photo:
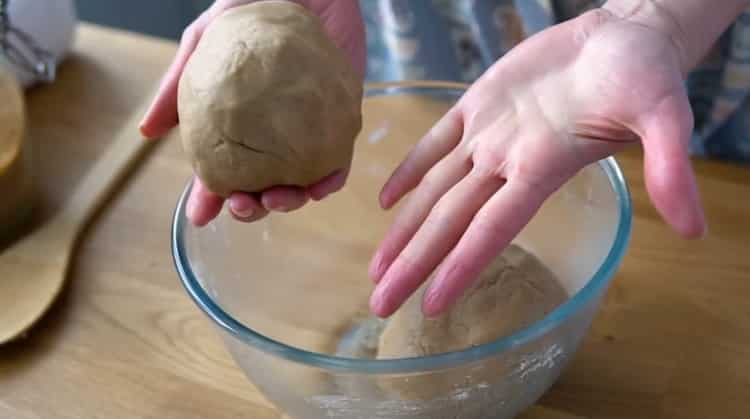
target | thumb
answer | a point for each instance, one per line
(670, 180)
(162, 116)
(344, 24)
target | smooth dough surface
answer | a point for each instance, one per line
(513, 292)
(268, 99)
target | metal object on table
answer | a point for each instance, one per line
(22, 51)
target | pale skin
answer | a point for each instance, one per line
(566, 97)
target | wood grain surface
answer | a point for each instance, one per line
(671, 341)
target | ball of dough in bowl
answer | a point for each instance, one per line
(268, 99)
(514, 291)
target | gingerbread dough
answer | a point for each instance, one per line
(513, 292)
(268, 99)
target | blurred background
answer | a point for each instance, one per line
(168, 19)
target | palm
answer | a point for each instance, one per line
(563, 99)
(605, 94)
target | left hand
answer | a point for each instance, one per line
(565, 98)
(342, 21)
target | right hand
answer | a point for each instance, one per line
(561, 100)
(343, 23)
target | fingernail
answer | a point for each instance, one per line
(144, 119)
(431, 304)
(190, 209)
(320, 197)
(144, 132)
(242, 212)
(434, 298)
(384, 200)
(147, 113)
(141, 125)
(378, 303)
(316, 195)
(376, 267)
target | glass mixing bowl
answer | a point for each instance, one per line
(290, 293)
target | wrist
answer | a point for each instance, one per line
(693, 26)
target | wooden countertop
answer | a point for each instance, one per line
(671, 341)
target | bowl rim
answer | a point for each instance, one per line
(596, 284)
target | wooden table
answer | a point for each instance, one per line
(671, 341)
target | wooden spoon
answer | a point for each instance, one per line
(33, 270)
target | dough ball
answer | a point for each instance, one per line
(268, 99)
(513, 292)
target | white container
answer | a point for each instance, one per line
(50, 23)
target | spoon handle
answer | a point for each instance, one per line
(106, 174)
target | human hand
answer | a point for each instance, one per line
(565, 98)
(343, 23)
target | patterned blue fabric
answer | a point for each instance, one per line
(459, 39)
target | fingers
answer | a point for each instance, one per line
(441, 139)
(203, 205)
(434, 185)
(245, 207)
(493, 228)
(284, 198)
(328, 185)
(669, 175)
(290, 198)
(435, 238)
(162, 114)
(344, 24)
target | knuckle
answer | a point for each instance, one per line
(456, 271)
(449, 125)
(529, 172)
(429, 181)
(534, 185)
(486, 172)
(439, 215)
(489, 158)
(195, 29)
(474, 118)
(409, 266)
(523, 169)
(463, 155)
(407, 168)
(489, 173)
(488, 224)
(189, 33)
